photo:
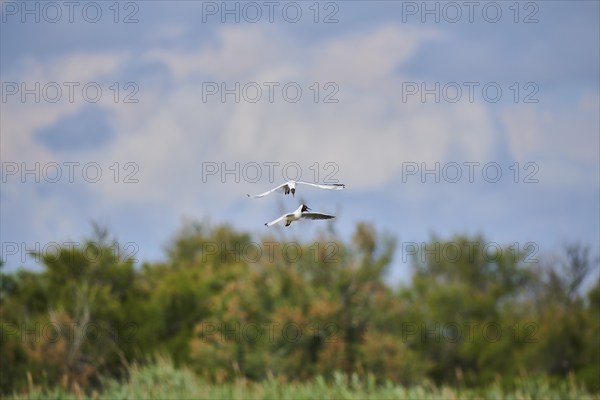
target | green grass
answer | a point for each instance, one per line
(163, 381)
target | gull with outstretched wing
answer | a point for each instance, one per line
(302, 212)
(290, 187)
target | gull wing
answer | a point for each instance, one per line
(281, 188)
(333, 186)
(275, 221)
(315, 215)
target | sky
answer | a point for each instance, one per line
(441, 118)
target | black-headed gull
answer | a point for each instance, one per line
(301, 212)
(290, 186)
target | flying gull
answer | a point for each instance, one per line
(290, 186)
(301, 212)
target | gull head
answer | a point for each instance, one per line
(305, 208)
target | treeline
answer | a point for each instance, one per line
(227, 305)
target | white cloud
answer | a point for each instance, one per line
(564, 143)
(238, 53)
(368, 58)
(22, 118)
(368, 134)
(171, 132)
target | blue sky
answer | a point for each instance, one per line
(132, 101)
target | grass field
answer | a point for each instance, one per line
(162, 380)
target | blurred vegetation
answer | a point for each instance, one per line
(162, 380)
(228, 308)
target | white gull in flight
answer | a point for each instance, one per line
(290, 186)
(301, 212)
